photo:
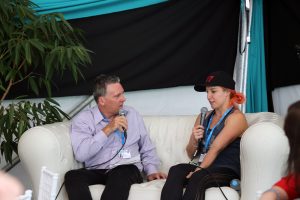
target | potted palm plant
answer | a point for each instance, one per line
(33, 48)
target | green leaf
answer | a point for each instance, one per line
(52, 101)
(54, 27)
(37, 44)
(56, 114)
(21, 128)
(65, 23)
(40, 109)
(10, 75)
(7, 151)
(36, 115)
(22, 97)
(17, 54)
(33, 85)
(49, 64)
(11, 113)
(48, 87)
(74, 71)
(69, 53)
(63, 113)
(80, 73)
(62, 59)
(27, 52)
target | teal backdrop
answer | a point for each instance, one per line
(87, 8)
(256, 91)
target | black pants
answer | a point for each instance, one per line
(197, 184)
(117, 182)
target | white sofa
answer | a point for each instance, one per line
(264, 151)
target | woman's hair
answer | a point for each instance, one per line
(101, 83)
(236, 97)
(292, 131)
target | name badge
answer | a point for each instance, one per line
(124, 153)
(202, 156)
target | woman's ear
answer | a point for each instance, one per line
(227, 91)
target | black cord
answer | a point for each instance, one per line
(59, 190)
(107, 160)
(215, 182)
(242, 11)
(125, 136)
(197, 165)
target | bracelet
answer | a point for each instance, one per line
(274, 191)
(194, 163)
(199, 167)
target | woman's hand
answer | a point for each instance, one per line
(198, 132)
(196, 136)
(191, 173)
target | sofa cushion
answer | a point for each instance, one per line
(170, 135)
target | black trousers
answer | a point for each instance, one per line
(197, 184)
(117, 182)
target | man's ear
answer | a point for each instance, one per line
(101, 100)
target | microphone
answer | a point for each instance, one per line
(123, 113)
(203, 112)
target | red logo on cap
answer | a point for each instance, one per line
(209, 78)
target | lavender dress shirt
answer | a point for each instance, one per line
(92, 146)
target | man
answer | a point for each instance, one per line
(114, 148)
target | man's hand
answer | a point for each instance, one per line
(118, 122)
(158, 175)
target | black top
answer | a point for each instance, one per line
(230, 156)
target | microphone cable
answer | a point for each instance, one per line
(125, 136)
(211, 175)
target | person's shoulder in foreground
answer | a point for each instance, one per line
(289, 186)
(10, 187)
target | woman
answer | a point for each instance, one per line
(218, 158)
(289, 187)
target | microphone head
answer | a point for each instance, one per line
(123, 112)
(204, 110)
(203, 113)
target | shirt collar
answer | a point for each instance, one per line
(98, 116)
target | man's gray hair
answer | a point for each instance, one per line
(101, 83)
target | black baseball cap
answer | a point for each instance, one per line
(218, 78)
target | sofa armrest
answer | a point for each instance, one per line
(264, 152)
(49, 146)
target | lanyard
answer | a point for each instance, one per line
(121, 135)
(210, 133)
